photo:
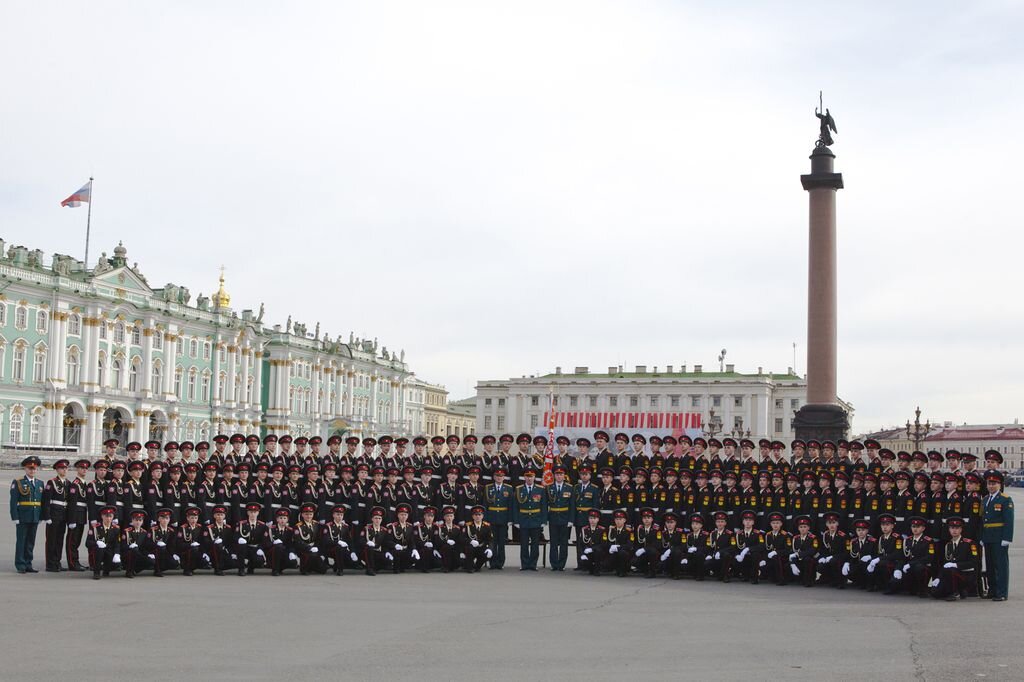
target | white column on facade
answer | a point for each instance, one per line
(243, 399)
(350, 377)
(218, 342)
(170, 363)
(315, 388)
(373, 398)
(90, 352)
(257, 384)
(146, 377)
(229, 390)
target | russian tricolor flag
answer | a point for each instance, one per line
(82, 195)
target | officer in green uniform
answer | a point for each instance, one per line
(498, 498)
(26, 511)
(561, 513)
(530, 511)
(997, 534)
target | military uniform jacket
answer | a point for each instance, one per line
(423, 533)
(648, 537)
(623, 537)
(919, 551)
(609, 499)
(274, 532)
(806, 546)
(964, 553)
(723, 541)
(469, 496)
(187, 534)
(164, 535)
(140, 538)
(225, 534)
(78, 501)
(109, 535)
(671, 539)
(55, 500)
(443, 533)
(331, 534)
(752, 541)
(254, 534)
(997, 523)
(561, 504)
(780, 542)
(399, 535)
(585, 498)
(134, 496)
(834, 545)
(530, 506)
(857, 548)
(595, 537)
(305, 536)
(482, 534)
(498, 503)
(889, 547)
(698, 542)
(26, 500)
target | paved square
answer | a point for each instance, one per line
(490, 625)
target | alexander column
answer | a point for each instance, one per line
(822, 418)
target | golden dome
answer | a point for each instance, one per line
(222, 298)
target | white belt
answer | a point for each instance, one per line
(59, 503)
(900, 518)
(82, 504)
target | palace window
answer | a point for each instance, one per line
(574, 401)
(73, 366)
(158, 340)
(613, 401)
(534, 400)
(193, 348)
(101, 370)
(18, 368)
(118, 333)
(716, 401)
(133, 376)
(487, 402)
(74, 325)
(34, 428)
(778, 425)
(16, 424)
(737, 401)
(206, 350)
(137, 336)
(21, 317)
(205, 388)
(39, 365)
(674, 401)
(778, 403)
(634, 401)
(42, 319)
(103, 330)
(695, 401)
(116, 371)
(501, 402)
(192, 385)
(654, 401)
(156, 383)
(177, 382)
(487, 423)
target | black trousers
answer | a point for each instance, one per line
(55, 531)
(73, 540)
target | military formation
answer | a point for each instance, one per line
(843, 514)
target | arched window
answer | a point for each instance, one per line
(35, 427)
(101, 369)
(75, 325)
(158, 344)
(133, 376)
(193, 348)
(21, 317)
(3, 313)
(18, 368)
(305, 401)
(177, 382)
(119, 333)
(206, 350)
(39, 365)
(116, 373)
(222, 379)
(103, 330)
(137, 335)
(192, 385)
(205, 392)
(16, 426)
(157, 380)
(42, 320)
(73, 366)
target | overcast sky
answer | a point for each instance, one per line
(501, 188)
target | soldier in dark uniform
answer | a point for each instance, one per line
(448, 492)
(620, 545)
(591, 540)
(997, 534)
(424, 537)
(671, 546)
(399, 541)
(26, 512)
(647, 540)
(77, 513)
(219, 541)
(833, 552)
(696, 548)
(135, 489)
(447, 539)
(470, 493)
(136, 546)
(804, 552)
(164, 543)
(251, 536)
(529, 512)
(777, 546)
(305, 541)
(116, 493)
(888, 554)
(859, 548)
(958, 564)
(498, 498)
(55, 515)
(586, 498)
(608, 497)
(103, 543)
(919, 557)
(174, 494)
(334, 541)
(721, 548)
(477, 540)
(750, 550)
(190, 538)
(561, 513)
(155, 495)
(278, 543)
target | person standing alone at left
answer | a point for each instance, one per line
(26, 511)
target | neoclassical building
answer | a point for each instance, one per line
(90, 353)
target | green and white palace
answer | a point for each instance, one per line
(92, 353)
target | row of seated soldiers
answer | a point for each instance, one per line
(912, 563)
(308, 546)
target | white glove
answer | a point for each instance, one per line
(792, 555)
(871, 566)
(898, 574)
(823, 560)
(488, 553)
(389, 556)
(718, 555)
(588, 550)
(206, 556)
(639, 552)
(761, 564)
(117, 558)
(371, 543)
(451, 543)
(461, 555)
(176, 557)
(828, 558)
(1005, 543)
(664, 555)
(161, 544)
(772, 554)
(474, 543)
(906, 568)
(428, 545)
(684, 562)
(569, 525)
(49, 521)
(134, 545)
(152, 557)
(353, 556)
(99, 543)
(709, 557)
(949, 564)
(613, 549)
(691, 549)
(234, 557)
(415, 554)
(314, 550)
(16, 522)
(399, 547)
(342, 543)
(934, 582)
(515, 525)
(219, 541)
(292, 557)
(243, 541)
(278, 542)
(72, 526)
(437, 554)
(195, 544)
(846, 568)
(795, 569)
(866, 559)
(259, 552)
(582, 558)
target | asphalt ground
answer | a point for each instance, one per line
(490, 625)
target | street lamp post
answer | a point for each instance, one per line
(713, 426)
(917, 431)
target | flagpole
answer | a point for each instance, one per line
(88, 224)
